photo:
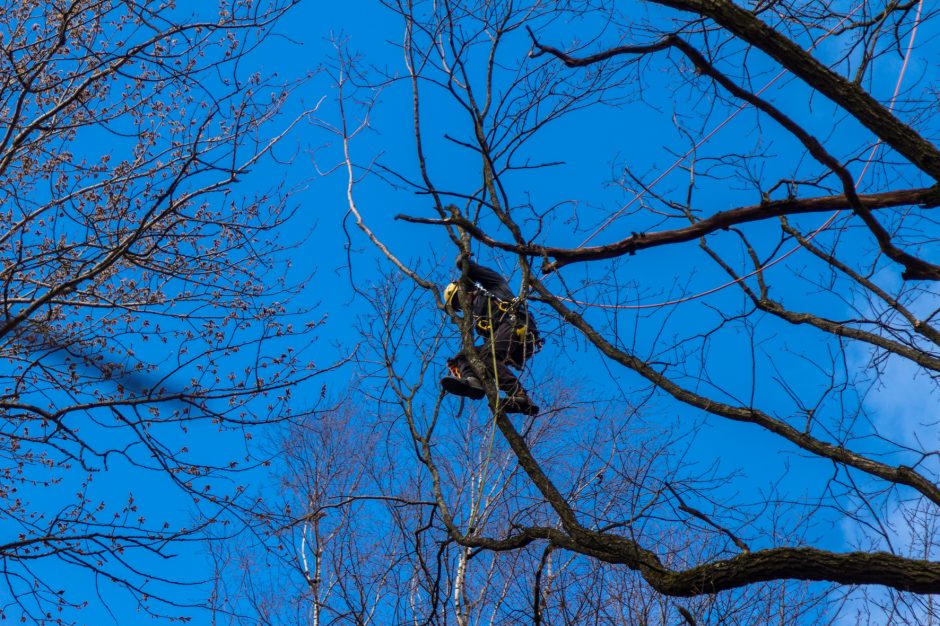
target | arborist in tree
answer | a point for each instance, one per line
(509, 334)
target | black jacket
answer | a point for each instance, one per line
(491, 281)
(493, 300)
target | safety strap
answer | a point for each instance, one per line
(506, 308)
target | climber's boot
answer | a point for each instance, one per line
(469, 387)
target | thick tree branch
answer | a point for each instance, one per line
(927, 197)
(901, 474)
(915, 268)
(793, 563)
(852, 568)
(850, 96)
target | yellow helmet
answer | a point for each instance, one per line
(449, 292)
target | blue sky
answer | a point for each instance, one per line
(593, 146)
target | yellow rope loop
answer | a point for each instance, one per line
(489, 309)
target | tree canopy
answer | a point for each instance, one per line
(720, 215)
